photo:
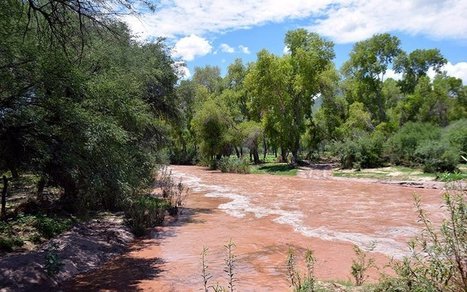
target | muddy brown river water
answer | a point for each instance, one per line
(264, 215)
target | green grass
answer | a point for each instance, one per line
(274, 168)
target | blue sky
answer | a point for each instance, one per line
(216, 32)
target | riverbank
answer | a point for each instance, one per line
(84, 248)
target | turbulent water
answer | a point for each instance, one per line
(295, 208)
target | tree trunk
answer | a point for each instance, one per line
(294, 157)
(14, 172)
(237, 152)
(255, 155)
(265, 150)
(40, 189)
(4, 194)
(283, 155)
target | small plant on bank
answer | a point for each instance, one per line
(299, 282)
(229, 269)
(174, 193)
(53, 262)
(144, 212)
(439, 257)
(361, 264)
(50, 227)
(230, 265)
(451, 176)
(234, 165)
(204, 270)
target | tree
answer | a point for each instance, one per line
(209, 77)
(94, 128)
(365, 70)
(284, 87)
(210, 124)
(416, 65)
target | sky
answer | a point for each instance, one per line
(216, 32)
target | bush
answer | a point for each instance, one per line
(233, 164)
(144, 212)
(437, 156)
(49, 227)
(366, 152)
(9, 243)
(438, 260)
(456, 135)
(402, 146)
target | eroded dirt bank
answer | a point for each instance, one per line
(83, 248)
(264, 215)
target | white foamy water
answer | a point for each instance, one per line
(240, 205)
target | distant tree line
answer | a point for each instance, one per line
(299, 106)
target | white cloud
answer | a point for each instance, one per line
(342, 20)
(244, 49)
(392, 74)
(286, 50)
(227, 49)
(180, 17)
(191, 46)
(458, 70)
(355, 20)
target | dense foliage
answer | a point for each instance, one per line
(82, 105)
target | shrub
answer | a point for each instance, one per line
(365, 151)
(402, 145)
(49, 226)
(234, 164)
(173, 193)
(456, 134)
(438, 259)
(437, 156)
(361, 265)
(144, 212)
(9, 243)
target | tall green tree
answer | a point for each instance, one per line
(415, 65)
(365, 70)
(284, 87)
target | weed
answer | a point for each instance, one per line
(204, 271)
(144, 212)
(53, 262)
(451, 176)
(230, 265)
(50, 227)
(301, 282)
(9, 243)
(174, 193)
(229, 269)
(361, 265)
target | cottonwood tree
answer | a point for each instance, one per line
(415, 65)
(365, 70)
(284, 87)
